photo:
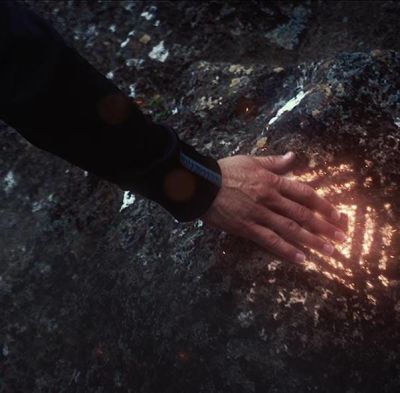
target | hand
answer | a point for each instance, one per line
(258, 203)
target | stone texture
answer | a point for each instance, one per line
(95, 299)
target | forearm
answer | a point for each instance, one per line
(60, 103)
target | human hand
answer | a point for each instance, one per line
(279, 214)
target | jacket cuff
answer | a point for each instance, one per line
(205, 175)
(183, 181)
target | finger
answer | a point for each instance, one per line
(272, 242)
(306, 195)
(278, 164)
(292, 232)
(307, 219)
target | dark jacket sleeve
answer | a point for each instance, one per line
(61, 104)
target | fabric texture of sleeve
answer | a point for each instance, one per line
(60, 103)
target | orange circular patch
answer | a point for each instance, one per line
(179, 185)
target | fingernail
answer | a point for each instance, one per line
(340, 236)
(328, 249)
(335, 216)
(289, 154)
(300, 257)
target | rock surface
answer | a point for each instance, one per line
(102, 292)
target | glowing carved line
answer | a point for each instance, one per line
(370, 230)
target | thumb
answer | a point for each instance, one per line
(277, 164)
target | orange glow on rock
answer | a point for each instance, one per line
(367, 227)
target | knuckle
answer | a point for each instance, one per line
(261, 193)
(246, 229)
(292, 226)
(259, 172)
(274, 180)
(268, 160)
(303, 215)
(273, 240)
(307, 191)
(242, 227)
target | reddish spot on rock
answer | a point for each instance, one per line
(183, 356)
(246, 107)
(139, 101)
(99, 353)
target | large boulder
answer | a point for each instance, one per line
(102, 291)
(97, 295)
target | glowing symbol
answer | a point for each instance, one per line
(362, 260)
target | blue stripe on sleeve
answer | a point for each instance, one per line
(200, 170)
